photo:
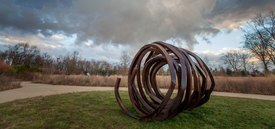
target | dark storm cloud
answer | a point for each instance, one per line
(239, 7)
(127, 22)
(29, 17)
(232, 13)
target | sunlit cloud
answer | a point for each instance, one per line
(90, 25)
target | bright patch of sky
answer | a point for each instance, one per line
(60, 44)
(220, 43)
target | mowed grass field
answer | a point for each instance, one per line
(100, 110)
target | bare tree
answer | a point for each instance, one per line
(244, 61)
(253, 66)
(70, 63)
(47, 63)
(260, 38)
(23, 54)
(105, 68)
(85, 66)
(17, 53)
(125, 60)
(95, 66)
(266, 22)
(232, 59)
(257, 42)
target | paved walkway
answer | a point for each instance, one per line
(30, 90)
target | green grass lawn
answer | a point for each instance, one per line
(100, 110)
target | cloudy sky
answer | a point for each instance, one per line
(102, 29)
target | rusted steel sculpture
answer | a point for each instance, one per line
(191, 80)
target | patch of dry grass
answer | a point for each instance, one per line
(252, 85)
(80, 80)
(7, 83)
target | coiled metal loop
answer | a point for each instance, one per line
(191, 82)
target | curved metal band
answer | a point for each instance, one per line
(189, 74)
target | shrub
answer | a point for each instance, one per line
(25, 69)
(4, 68)
(8, 83)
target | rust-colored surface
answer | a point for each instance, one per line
(191, 81)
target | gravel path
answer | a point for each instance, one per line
(30, 90)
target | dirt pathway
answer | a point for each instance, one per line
(30, 90)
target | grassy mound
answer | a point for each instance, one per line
(100, 110)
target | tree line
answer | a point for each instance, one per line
(24, 58)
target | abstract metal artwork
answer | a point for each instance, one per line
(191, 82)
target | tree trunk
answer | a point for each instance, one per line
(265, 67)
